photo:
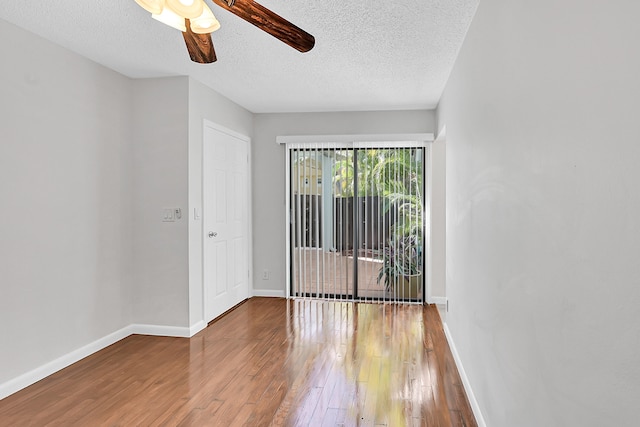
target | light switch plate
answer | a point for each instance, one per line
(168, 215)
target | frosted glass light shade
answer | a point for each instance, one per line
(152, 6)
(205, 23)
(171, 19)
(189, 9)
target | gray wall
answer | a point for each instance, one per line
(541, 115)
(88, 161)
(269, 244)
(160, 180)
(65, 175)
(438, 219)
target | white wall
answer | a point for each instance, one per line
(205, 103)
(541, 113)
(160, 180)
(269, 174)
(65, 228)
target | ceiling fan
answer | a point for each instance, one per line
(196, 21)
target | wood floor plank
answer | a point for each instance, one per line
(267, 362)
(330, 417)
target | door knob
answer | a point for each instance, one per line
(213, 234)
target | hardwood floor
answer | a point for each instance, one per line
(268, 362)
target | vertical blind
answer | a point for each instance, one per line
(357, 221)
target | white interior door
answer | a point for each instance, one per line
(225, 220)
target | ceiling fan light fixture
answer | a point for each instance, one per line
(151, 6)
(171, 19)
(196, 22)
(205, 23)
(190, 9)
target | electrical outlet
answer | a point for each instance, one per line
(265, 274)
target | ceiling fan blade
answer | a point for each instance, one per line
(200, 46)
(270, 22)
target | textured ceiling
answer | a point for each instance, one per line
(369, 54)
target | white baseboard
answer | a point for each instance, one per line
(61, 362)
(438, 300)
(194, 329)
(269, 293)
(164, 331)
(465, 380)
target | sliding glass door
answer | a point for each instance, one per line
(357, 223)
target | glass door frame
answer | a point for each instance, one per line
(358, 142)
